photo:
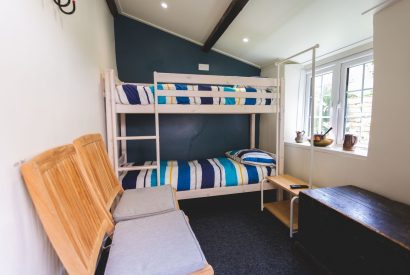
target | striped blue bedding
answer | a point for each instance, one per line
(197, 174)
(252, 157)
(132, 94)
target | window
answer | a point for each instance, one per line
(358, 101)
(343, 98)
(324, 100)
(323, 88)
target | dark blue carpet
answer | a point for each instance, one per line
(237, 238)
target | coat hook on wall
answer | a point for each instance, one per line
(63, 6)
(19, 163)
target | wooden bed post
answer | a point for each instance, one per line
(279, 114)
(278, 117)
(157, 129)
(108, 114)
(281, 137)
(114, 121)
(252, 131)
(123, 130)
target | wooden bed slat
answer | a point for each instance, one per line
(72, 216)
(220, 191)
(195, 109)
(214, 79)
(213, 94)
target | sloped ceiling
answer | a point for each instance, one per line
(275, 28)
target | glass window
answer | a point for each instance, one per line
(323, 101)
(343, 98)
(358, 102)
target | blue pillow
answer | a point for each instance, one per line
(253, 157)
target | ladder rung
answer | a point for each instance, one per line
(136, 138)
(135, 168)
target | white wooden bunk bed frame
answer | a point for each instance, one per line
(117, 134)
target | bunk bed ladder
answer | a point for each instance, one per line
(116, 136)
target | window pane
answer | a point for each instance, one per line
(325, 125)
(355, 78)
(318, 84)
(318, 103)
(326, 104)
(359, 98)
(318, 125)
(327, 84)
(367, 102)
(322, 124)
(365, 131)
(368, 75)
(323, 101)
(353, 103)
(353, 125)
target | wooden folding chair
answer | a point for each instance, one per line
(76, 223)
(133, 203)
(72, 216)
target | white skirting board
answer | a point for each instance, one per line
(219, 191)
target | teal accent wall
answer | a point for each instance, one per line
(185, 137)
(141, 50)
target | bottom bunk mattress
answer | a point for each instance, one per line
(197, 174)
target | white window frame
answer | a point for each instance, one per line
(328, 68)
(339, 85)
(343, 88)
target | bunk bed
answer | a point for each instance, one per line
(188, 94)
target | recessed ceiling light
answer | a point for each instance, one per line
(245, 40)
(164, 5)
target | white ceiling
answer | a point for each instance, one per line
(192, 19)
(275, 28)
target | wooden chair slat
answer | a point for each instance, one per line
(91, 149)
(72, 215)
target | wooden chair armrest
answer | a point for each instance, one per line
(207, 270)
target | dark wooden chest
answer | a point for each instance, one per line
(353, 231)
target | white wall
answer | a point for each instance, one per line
(50, 93)
(295, 82)
(386, 169)
(267, 123)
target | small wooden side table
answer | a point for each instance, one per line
(284, 210)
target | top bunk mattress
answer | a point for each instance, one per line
(131, 94)
(197, 174)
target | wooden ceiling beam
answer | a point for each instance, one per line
(113, 7)
(230, 14)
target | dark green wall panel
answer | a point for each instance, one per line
(140, 50)
(186, 137)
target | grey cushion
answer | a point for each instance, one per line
(142, 202)
(159, 244)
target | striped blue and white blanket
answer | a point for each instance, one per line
(197, 174)
(131, 94)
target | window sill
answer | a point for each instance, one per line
(360, 153)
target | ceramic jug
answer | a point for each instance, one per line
(299, 136)
(349, 142)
